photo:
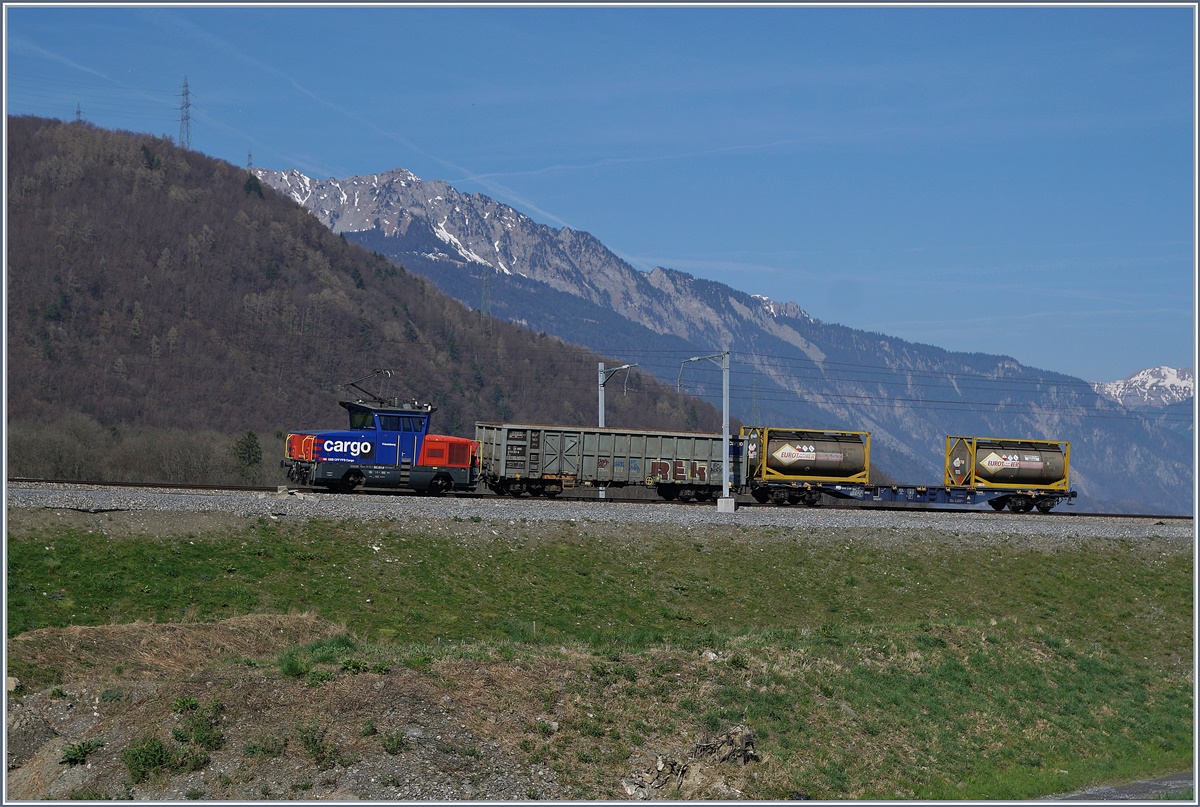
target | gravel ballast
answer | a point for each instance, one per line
(298, 505)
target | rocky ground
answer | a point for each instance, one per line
(440, 756)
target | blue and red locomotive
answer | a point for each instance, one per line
(387, 446)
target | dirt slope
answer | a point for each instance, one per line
(443, 757)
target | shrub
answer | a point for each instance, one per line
(77, 753)
(312, 737)
(191, 759)
(181, 705)
(394, 742)
(147, 756)
(267, 747)
(200, 725)
(89, 794)
(327, 650)
(292, 664)
(317, 677)
(354, 666)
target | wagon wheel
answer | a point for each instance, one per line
(998, 504)
(1046, 505)
(1020, 504)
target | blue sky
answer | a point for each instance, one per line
(1018, 181)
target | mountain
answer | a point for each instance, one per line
(1154, 387)
(790, 369)
(151, 287)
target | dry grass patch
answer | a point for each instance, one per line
(89, 654)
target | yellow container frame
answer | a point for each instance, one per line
(973, 482)
(766, 474)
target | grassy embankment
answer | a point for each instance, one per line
(868, 666)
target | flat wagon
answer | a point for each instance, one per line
(803, 466)
(794, 466)
(1020, 474)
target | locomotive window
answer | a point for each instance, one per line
(362, 420)
(399, 423)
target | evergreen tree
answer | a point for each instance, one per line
(247, 453)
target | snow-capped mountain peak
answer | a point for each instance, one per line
(1156, 386)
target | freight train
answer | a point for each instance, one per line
(388, 447)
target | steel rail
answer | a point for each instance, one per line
(574, 499)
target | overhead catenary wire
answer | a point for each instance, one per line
(741, 393)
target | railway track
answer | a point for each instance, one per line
(591, 496)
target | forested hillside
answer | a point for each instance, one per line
(157, 292)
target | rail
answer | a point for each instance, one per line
(575, 496)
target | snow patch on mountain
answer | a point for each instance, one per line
(450, 238)
(1155, 386)
(778, 309)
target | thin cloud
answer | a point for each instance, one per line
(494, 188)
(18, 44)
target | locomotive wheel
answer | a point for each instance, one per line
(349, 482)
(438, 486)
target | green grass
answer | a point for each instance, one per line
(866, 670)
(571, 587)
(1182, 795)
